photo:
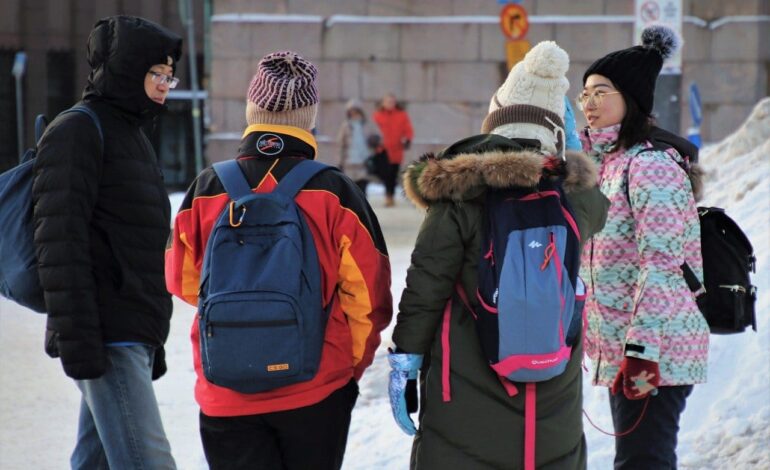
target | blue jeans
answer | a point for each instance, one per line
(120, 425)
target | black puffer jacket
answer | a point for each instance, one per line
(101, 211)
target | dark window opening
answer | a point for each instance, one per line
(61, 81)
(8, 150)
(171, 135)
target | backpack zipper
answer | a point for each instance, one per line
(245, 324)
(733, 288)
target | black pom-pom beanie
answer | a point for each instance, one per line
(635, 70)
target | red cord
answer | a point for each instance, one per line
(624, 433)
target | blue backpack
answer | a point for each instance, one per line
(262, 319)
(531, 298)
(530, 295)
(18, 262)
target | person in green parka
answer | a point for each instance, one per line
(480, 426)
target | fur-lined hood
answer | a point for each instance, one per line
(466, 175)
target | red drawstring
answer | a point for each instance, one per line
(549, 251)
(490, 254)
(624, 433)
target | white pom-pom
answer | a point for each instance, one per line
(662, 38)
(547, 60)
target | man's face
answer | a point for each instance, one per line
(158, 81)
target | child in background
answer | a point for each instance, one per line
(354, 150)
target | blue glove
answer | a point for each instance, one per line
(404, 368)
(573, 141)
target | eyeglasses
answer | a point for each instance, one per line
(594, 99)
(163, 79)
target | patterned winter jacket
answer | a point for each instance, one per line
(639, 304)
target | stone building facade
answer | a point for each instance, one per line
(445, 58)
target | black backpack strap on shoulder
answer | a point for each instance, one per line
(627, 174)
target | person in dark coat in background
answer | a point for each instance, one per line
(102, 217)
(479, 425)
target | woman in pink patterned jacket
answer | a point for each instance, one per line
(646, 338)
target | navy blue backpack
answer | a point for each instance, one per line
(18, 262)
(262, 319)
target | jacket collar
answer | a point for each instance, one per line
(466, 175)
(601, 141)
(275, 141)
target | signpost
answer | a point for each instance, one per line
(667, 90)
(19, 68)
(693, 133)
(514, 24)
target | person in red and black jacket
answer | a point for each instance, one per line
(304, 425)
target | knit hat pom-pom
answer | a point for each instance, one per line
(661, 38)
(547, 60)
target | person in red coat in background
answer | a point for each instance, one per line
(396, 129)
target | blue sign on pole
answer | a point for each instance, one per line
(696, 113)
(19, 64)
(504, 2)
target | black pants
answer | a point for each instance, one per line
(313, 437)
(652, 445)
(390, 179)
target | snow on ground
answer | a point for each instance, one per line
(726, 423)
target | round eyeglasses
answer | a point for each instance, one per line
(163, 79)
(594, 99)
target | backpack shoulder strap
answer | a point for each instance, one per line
(80, 108)
(232, 178)
(627, 170)
(298, 177)
(41, 122)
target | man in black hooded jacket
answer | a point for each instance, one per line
(101, 217)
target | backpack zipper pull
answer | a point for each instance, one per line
(209, 330)
(549, 251)
(734, 288)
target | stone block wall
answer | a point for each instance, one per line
(448, 57)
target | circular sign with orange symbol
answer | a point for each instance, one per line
(514, 21)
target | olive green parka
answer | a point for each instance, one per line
(481, 427)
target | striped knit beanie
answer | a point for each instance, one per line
(283, 91)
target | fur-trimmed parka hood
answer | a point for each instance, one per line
(464, 170)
